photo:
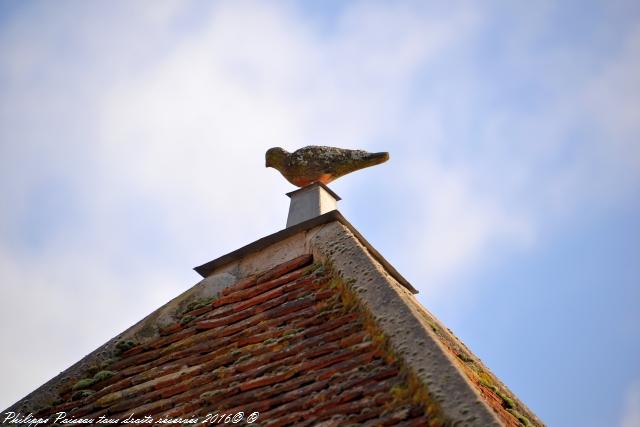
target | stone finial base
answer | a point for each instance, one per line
(309, 202)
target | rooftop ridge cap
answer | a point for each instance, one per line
(207, 268)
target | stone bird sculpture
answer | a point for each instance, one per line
(320, 164)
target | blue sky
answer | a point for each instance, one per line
(132, 140)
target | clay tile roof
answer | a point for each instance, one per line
(310, 329)
(286, 343)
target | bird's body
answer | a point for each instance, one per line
(320, 164)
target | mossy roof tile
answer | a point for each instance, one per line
(281, 342)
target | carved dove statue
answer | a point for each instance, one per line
(320, 164)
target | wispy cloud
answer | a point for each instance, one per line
(496, 165)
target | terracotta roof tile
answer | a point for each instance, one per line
(282, 343)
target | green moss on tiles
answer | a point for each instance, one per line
(433, 326)
(464, 357)
(91, 370)
(471, 364)
(103, 375)
(81, 394)
(83, 384)
(521, 418)
(185, 320)
(486, 381)
(104, 365)
(412, 389)
(348, 299)
(399, 392)
(507, 402)
(124, 345)
(198, 303)
(316, 268)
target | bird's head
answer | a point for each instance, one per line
(275, 157)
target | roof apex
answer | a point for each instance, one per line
(209, 267)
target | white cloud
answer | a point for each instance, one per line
(499, 175)
(459, 224)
